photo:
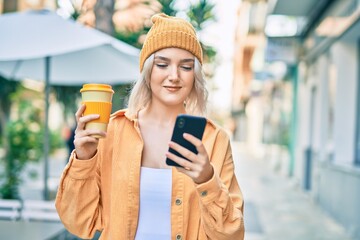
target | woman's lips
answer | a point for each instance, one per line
(172, 88)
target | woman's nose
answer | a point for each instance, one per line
(173, 74)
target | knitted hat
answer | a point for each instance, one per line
(167, 32)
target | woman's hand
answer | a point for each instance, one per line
(199, 169)
(85, 144)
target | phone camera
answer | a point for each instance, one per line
(181, 122)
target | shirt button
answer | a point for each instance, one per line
(178, 237)
(178, 201)
(203, 193)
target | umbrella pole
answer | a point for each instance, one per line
(46, 132)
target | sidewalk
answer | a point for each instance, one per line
(276, 208)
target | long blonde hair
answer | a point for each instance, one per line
(140, 95)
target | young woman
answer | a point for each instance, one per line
(120, 185)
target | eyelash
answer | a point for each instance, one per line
(187, 68)
(161, 65)
(165, 65)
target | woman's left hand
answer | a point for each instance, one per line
(199, 169)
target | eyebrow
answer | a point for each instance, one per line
(168, 59)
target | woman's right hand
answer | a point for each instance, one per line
(85, 144)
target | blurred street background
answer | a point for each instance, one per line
(283, 77)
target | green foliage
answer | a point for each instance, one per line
(56, 141)
(68, 96)
(7, 88)
(131, 38)
(25, 144)
(76, 14)
(201, 13)
(209, 53)
(168, 7)
(25, 139)
(120, 96)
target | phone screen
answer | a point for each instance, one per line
(193, 125)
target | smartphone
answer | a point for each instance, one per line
(193, 125)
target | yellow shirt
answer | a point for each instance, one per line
(102, 193)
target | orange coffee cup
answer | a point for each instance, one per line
(98, 100)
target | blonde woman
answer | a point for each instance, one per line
(121, 186)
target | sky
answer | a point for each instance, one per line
(221, 36)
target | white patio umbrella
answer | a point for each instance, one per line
(44, 46)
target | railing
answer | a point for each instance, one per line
(10, 209)
(28, 210)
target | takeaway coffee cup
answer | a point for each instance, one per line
(98, 100)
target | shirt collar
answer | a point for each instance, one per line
(133, 117)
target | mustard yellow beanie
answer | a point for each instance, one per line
(168, 31)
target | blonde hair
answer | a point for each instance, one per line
(140, 95)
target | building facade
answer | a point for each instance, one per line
(319, 43)
(327, 149)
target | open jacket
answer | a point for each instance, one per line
(102, 193)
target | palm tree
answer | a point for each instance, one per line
(168, 7)
(201, 13)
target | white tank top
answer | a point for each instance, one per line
(155, 204)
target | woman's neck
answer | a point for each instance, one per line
(161, 115)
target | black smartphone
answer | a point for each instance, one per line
(193, 125)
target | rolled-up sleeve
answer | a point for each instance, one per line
(78, 197)
(221, 200)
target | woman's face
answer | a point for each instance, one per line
(172, 76)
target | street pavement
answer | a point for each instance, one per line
(276, 208)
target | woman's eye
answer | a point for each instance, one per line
(187, 68)
(161, 65)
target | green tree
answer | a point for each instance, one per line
(7, 88)
(24, 134)
(120, 96)
(200, 14)
(168, 7)
(68, 97)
